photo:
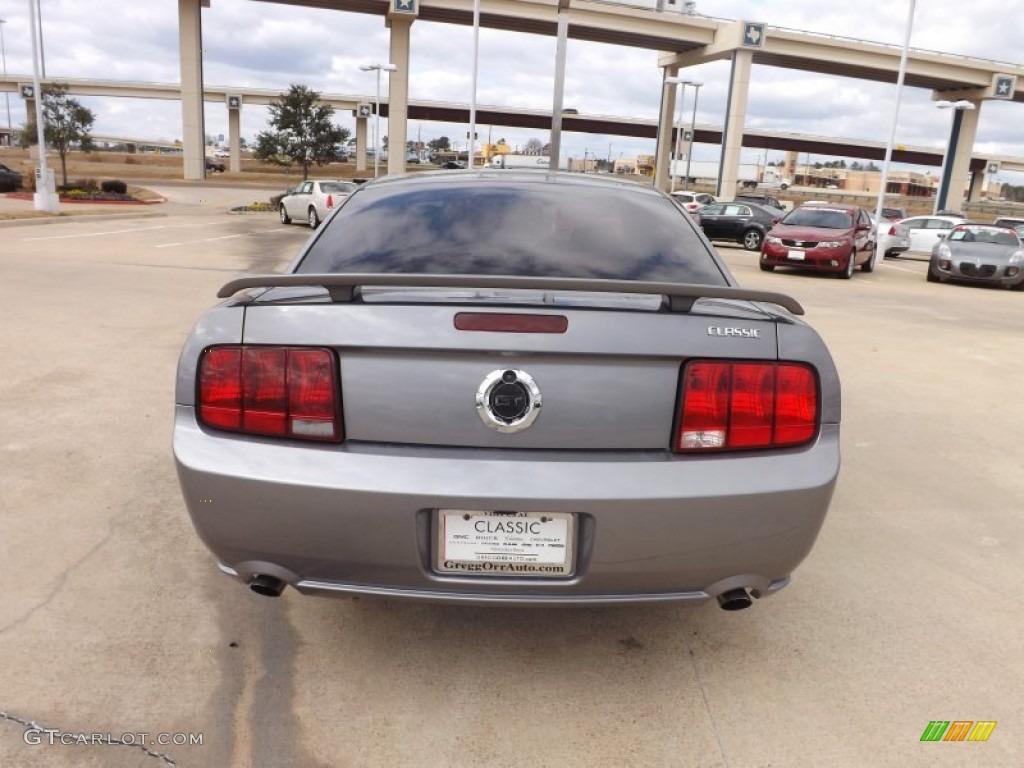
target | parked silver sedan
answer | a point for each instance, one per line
(507, 387)
(311, 201)
(979, 253)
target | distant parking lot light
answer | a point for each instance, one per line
(682, 82)
(376, 120)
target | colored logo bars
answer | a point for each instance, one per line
(958, 730)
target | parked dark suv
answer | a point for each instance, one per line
(10, 179)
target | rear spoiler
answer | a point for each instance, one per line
(343, 287)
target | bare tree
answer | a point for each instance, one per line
(65, 123)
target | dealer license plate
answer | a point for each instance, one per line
(796, 255)
(480, 543)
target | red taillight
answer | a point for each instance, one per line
(892, 230)
(278, 391)
(738, 406)
(330, 201)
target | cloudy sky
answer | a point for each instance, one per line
(262, 44)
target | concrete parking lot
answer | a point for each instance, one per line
(115, 622)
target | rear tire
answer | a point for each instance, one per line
(314, 220)
(285, 218)
(752, 239)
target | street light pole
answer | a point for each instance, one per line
(682, 82)
(883, 182)
(561, 43)
(945, 179)
(42, 51)
(7, 96)
(376, 111)
(45, 197)
(693, 134)
(471, 156)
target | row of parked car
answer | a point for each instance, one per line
(838, 238)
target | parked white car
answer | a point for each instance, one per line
(311, 201)
(692, 201)
(918, 234)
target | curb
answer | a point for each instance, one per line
(71, 201)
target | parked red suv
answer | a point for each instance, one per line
(822, 237)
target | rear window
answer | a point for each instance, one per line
(826, 218)
(338, 187)
(519, 228)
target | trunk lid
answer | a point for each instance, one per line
(608, 382)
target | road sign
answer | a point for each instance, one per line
(1003, 86)
(753, 35)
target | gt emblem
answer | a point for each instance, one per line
(508, 401)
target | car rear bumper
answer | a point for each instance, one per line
(359, 519)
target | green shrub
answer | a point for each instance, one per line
(114, 187)
(90, 185)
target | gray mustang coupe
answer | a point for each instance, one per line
(979, 253)
(507, 387)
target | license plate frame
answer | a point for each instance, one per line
(531, 545)
(796, 255)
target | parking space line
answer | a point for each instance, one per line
(904, 269)
(190, 225)
(93, 234)
(205, 240)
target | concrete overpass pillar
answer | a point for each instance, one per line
(735, 119)
(977, 188)
(361, 143)
(663, 149)
(235, 140)
(957, 164)
(398, 93)
(190, 52)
